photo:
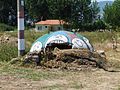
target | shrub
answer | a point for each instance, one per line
(4, 27)
(7, 52)
(99, 25)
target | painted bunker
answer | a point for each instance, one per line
(61, 40)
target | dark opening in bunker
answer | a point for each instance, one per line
(59, 45)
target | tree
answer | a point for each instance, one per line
(111, 14)
(78, 13)
(38, 9)
(8, 11)
(95, 11)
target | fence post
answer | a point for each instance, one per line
(21, 41)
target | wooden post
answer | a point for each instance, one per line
(21, 41)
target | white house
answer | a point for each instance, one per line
(52, 25)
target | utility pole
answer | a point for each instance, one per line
(21, 41)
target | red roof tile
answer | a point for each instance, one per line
(51, 22)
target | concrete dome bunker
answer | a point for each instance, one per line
(61, 40)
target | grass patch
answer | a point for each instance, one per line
(30, 36)
(7, 52)
(5, 27)
(100, 37)
(74, 85)
(119, 88)
(53, 87)
(30, 73)
(94, 37)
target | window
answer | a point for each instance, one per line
(45, 26)
(59, 28)
(39, 27)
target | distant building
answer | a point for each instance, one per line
(51, 25)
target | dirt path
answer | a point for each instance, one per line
(92, 80)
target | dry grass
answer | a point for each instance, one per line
(21, 78)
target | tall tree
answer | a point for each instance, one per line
(37, 9)
(95, 11)
(111, 13)
(75, 12)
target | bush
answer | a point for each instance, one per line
(99, 25)
(4, 27)
(7, 52)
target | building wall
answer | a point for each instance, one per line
(41, 27)
(57, 27)
(48, 27)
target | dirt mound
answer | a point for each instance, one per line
(75, 64)
(7, 39)
(71, 59)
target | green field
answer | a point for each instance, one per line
(36, 79)
(9, 51)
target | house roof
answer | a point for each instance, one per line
(51, 22)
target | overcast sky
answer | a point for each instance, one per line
(103, 0)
